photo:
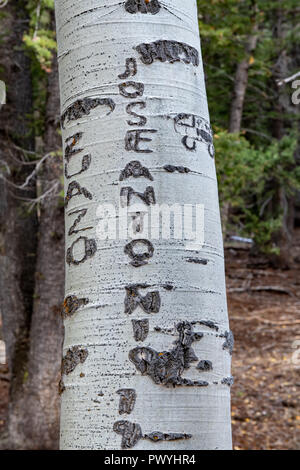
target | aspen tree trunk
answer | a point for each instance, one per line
(18, 241)
(241, 83)
(147, 348)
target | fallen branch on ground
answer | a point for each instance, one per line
(281, 290)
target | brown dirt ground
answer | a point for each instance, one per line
(266, 325)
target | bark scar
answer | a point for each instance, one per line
(74, 356)
(83, 107)
(166, 368)
(132, 433)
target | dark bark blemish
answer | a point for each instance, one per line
(137, 222)
(142, 6)
(61, 387)
(147, 197)
(140, 329)
(131, 433)
(172, 169)
(228, 381)
(160, 436)
(209, 324)
(166, 368)
(74, 186)
(168, 51)
(168, 287)
(139, 259)
(229, 343)
(130, 68)
(139, 89)
(133, 139)
(197, 261)
(83, 107)
(72, 304)
(90, 248)
(204, 365)
(127, 400)
(159, 329)
(74, 356)
(150, 303)
(136, 170)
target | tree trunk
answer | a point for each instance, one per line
(18, 227)
(240, 85)
(32, 272)
(282, 106)
(147, 348)
(41, 425)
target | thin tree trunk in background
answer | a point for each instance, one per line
(282, 106)
(46, 334)
(241, 82)
(18, 227)
(237, 103)
(32, 272)
(147, 343)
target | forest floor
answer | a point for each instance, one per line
(264, 311)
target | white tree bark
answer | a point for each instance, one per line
(147, 343)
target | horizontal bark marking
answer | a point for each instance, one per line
(208, 323)
(168, 51)
(168, 287)
(180, 169)
(142, 6)
(160, 436)
(83, 107)
(132, 433)
(197, 261)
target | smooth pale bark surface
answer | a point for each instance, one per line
(94, 39)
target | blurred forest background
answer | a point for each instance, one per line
(251, 53)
